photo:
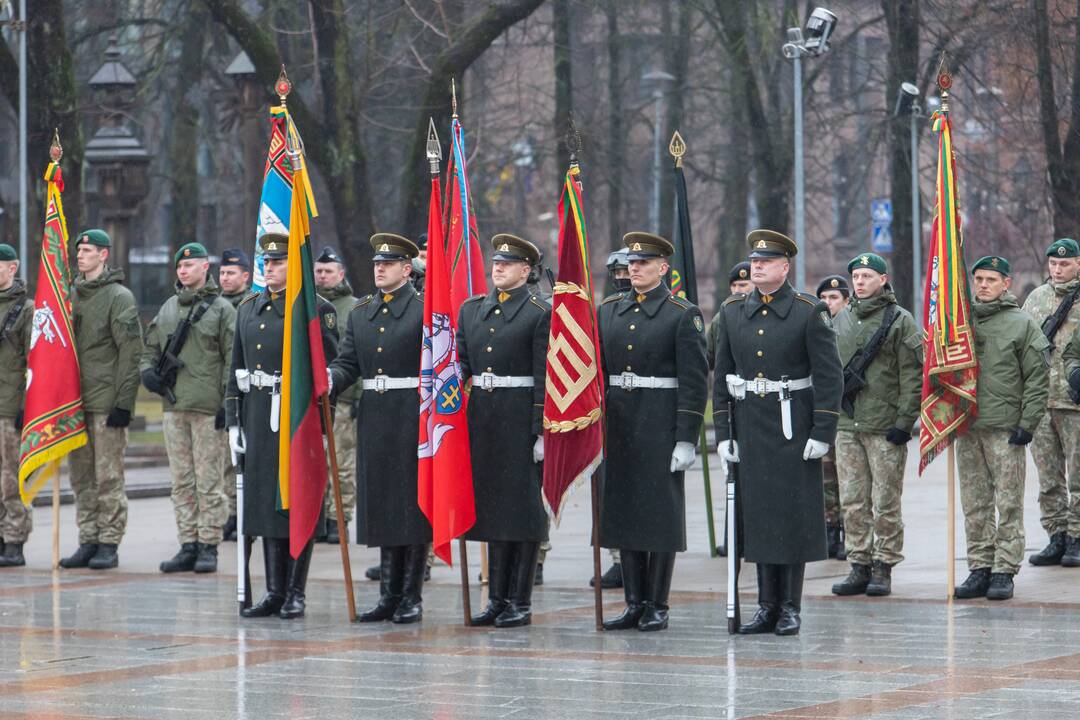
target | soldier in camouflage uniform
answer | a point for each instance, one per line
(234, 277)
(871, 439)
(1056, 447)
(16, 311)
(1011, 393)
(1071, 357)
(835, 293)
(330, 279)
(108, 340)
(193, 399)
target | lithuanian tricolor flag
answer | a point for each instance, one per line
(302, 461)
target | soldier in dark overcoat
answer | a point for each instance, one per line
(252, 413)
(502, 340)
(381, 350)
(653, 351)
(777, 365)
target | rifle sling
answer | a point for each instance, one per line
(877, 339)
(11, 318)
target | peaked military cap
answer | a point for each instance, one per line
(769, 243)
(514, 249)
(7, 253)
(94, 237)
(834, 282)
(644, 246)
(235, 256)
(389, 246)
(274, 246)
(993, 262)
(741, 271)
(868, 260)
(1063, 248)
(191, 250)
(329, 255)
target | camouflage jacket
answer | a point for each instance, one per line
(341, 297)
(1071, 354)
(1041, 304)
(108, 339)
(14, 347)
(1012, 351)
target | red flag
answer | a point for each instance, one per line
(55, 423)
(573, 407)
(951, 368)
(467, 277)
(444, 482)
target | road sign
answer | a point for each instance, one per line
(881, 211)
(881, 239)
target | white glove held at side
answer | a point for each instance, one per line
(729, 450)
(682, 457)
(814, 449)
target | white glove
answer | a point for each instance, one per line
(814, 449)
(237, 440)
(538, 449)
(682, 457)
(329, 380)
(729, 450)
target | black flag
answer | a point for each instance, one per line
(682, 278)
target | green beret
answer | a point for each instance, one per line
(7, 253)
(1063, 248)
(868, 260)
(993, 262)
(94, 237)
(188, 251)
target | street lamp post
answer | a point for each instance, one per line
(656, 78)
(907, 100)
(819, 27)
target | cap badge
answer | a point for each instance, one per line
(272, 246)
(187, 252)
(760, 244)
(636, 247)
(505, 247)
(384, 248)
(1062, 251)
(742, 274)
(834, 283)
(994, 262)
(864, 260)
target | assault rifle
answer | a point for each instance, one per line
(855, 370)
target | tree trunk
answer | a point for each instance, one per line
(616, 133)
(902, 23)
(564, 86)
(677, 59)
(735, 190)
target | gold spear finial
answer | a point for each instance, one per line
(677, 148)
(453, 98)
(944, 82)
(56, 151)
(283, 86)
(572, 139)
(434, 147)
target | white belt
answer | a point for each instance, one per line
(739, 387)
(633, 381)
(382, 383)
(246, 379)
(490, 381)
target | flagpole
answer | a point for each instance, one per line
(950, 546)
(56, 517)
(598, 591)
(343, 529)
(466, 604)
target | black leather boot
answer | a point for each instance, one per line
(518, 611)
(374, 572)
(1052, 553)
(655, 617)
(391, 577)
(791, 582)
(768, 602)
(880, 583)
(499, 556)
(856, 581)
(13, 555)
(612, 578)
(228, 533)
(834, 540)
(633, 575)
(976, 585)
(81, 557)
(332, 532)
(411, 607)
(276, 563)
(105, 558)
(183, 561)
(1071, 558)
(207, 560)
(297, 584)
(1001, 586)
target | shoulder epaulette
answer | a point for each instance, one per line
(540, 302)
(680, 301)
(246, 300)
(807, 298)
(737, 297)
(613, 297)
(474, 298)
(364, 301)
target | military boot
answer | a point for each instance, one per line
(791, 582)
(976, 585)
(518, 611)
(1071, 558)
(374, 572)
(655, 617)
(106, 557)
(856, 581)
(296, 587)
(538, 578)
(81, 557)
(183, 561)
(500, 555)
(332, 532)
(228, 533)
(207, 560)
(833, 539)
(1001, 586)
(612, 578)
(1052, 553)
(12, 555)
(391, 579)
(633, 574)
(768, 611)
(276, 564)
(880, 583)
(411, 607)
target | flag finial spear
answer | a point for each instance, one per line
(677, 148)
(56, 151)
(572, 139)
(434, 148)
(283, 86)
(453, 98)
(944, 82)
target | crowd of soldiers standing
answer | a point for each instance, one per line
(822, 476)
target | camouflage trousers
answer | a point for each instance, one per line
(97, 479)
(871, 471)
(1056, 451)
(833, 515)
(345, 445)
(992, 477)
(195, 456)
(16, 520)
